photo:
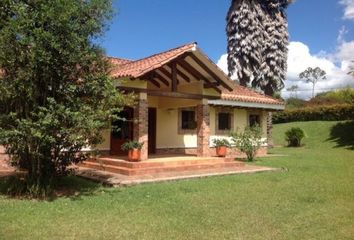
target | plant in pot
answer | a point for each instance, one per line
(134, 150)
(221, 146)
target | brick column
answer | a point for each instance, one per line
(141, 124)
(203, 130)
(270, 130)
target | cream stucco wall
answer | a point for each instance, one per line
(167, 115)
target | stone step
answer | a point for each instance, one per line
(160, 169)
(152, 164)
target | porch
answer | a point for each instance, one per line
(116, 171)
(160, 163)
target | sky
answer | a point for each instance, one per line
(321, 34)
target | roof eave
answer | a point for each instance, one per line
(268, 106)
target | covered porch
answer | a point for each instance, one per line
(172, 113)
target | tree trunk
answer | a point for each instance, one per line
(269, 92)
(270, 142)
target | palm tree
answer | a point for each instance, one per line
(244, 40)
(257, 33)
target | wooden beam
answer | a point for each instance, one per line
(174, 77)
(210, 72)
(211, 85)
(150, 78)
(153, 81)
(152, 92)
(179, 72)
(191, 70)
(165, 72)
(161, 78)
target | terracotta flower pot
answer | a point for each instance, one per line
(134, 155)
(221, 151)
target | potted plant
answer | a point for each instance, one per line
(134, 150)
(221, 146)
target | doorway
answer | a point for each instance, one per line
(152, 131)
(122, 131)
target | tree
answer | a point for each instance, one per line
(293, 90)
(313, 75)
(56, 94)
(351, 72)
(257, 33)
(244, 40)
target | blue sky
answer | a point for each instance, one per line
(145, 27)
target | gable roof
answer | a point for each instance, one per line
(238, 94)
(136, 69)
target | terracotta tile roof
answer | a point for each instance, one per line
(135, 69)
(119, 61)
(138, 68)
(244, 94)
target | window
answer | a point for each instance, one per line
(224, 118)
(224, 121)
(188, 120)
(254, 120)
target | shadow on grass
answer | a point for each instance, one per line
(66, 187)
(343, 134)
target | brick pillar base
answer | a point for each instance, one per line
(141, 125)
(203, 130)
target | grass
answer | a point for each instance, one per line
(312, 199)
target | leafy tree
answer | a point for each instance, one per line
(56, 94)
(257, 33)
(293, 90)
(313, 75)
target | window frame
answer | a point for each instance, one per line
(255, 114)
(182, 131)
(229, 111)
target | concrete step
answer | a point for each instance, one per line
(153, 164)
(160, 169)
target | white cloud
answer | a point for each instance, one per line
(300, 58)
(348, 9)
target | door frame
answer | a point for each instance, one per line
(152, 130)
(116, 150)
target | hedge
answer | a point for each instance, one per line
(325, 113)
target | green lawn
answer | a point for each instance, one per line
(312, 199)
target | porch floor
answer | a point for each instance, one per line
(116, 171)
(120, 180)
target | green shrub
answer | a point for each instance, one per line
(248, 141)
(130, 145)
(322, 113)
(294, 136)
(221, 142)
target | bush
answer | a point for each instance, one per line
(221, 142)
(294, 136)
(130, 145)
(248, 141)
(322, 113)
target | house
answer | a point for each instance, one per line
(183, 101)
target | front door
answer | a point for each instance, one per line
(122, 131)
(152, 131)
